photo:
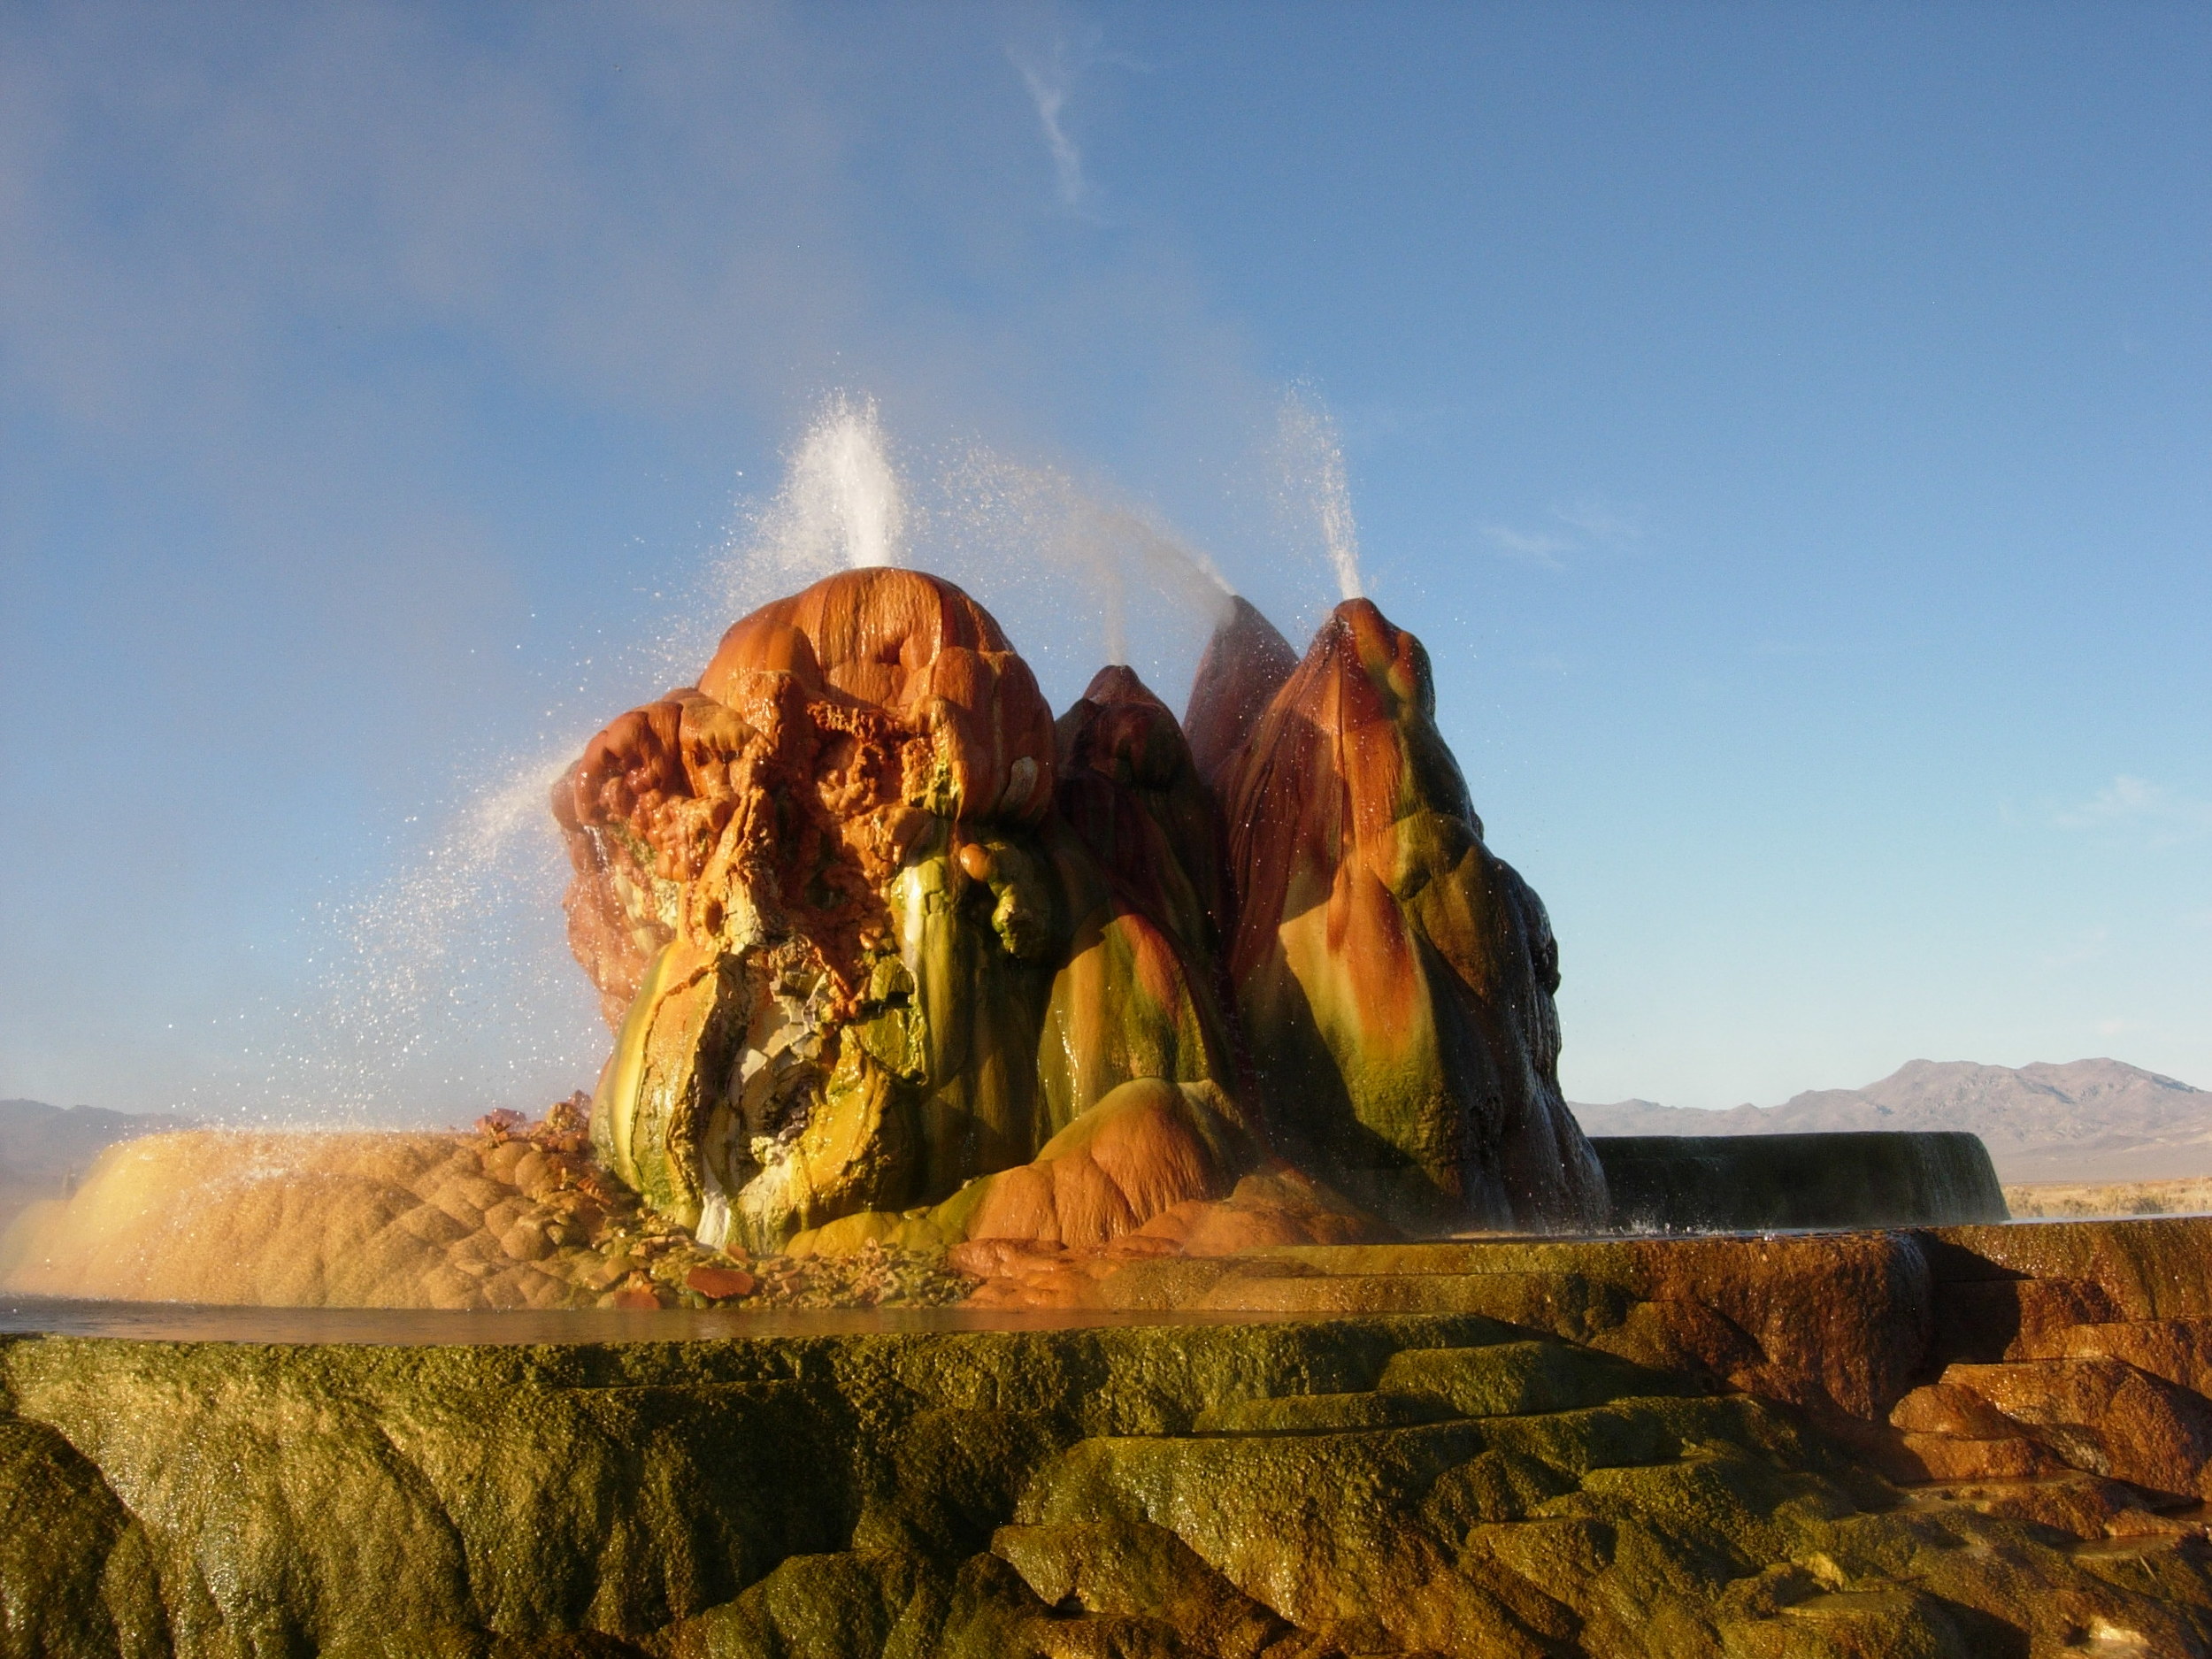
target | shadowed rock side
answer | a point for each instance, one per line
(859, 948)
(1395, 980)
(1246, 663)
(1137, 847)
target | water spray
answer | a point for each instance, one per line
(1313, 459)
(1115, 548)
(842, 493)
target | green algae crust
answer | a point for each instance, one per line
(1417, 1484)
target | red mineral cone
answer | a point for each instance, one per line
(1121, 752)
(1394, 978)
(1138, 848)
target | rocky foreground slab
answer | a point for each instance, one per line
(1968, 1440)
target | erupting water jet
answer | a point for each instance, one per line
(843, 493)
(1313, 457)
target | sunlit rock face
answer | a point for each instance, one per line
(1394, 978)
(868, 926)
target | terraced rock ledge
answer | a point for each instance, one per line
(1975, 1441)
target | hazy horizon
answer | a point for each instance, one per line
(1715, 1108)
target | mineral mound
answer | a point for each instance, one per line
(1395, 979)
(870, 925)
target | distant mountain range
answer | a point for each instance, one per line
(42, 1146)
(2089, 1120)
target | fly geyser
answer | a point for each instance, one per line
(981, 1240)
(890, 953)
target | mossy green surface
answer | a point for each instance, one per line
(1360, 1485)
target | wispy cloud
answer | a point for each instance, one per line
(1584, 527)
(1599, 522)
(1536, 547)
(2132, 803)
(1048, 91)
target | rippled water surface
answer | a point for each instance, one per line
(180, 1322)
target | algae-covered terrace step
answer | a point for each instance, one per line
(1519, 1378)
(1134, 1570)
(1217, 1490)
(1319, 1414)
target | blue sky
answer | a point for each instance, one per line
(1790, 429)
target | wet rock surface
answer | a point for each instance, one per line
(1743, 1183)
(1958, 1441)
(1417, 1485)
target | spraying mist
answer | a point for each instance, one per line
(842, 496)
(1313, 479)
(1038, 523)
(447, 989)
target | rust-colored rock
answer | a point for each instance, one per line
(2008, 1319)
(829, 732)
(2141, 1270)
(2084, 1505)
(1935, 1456)
(1272, 1208)
(719, 1284)
(2178, 1351)
(2101, 1415)
(1394, 978)
(860, 948)
(870, 927)
(1951, 1409)
(1144, 1149)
